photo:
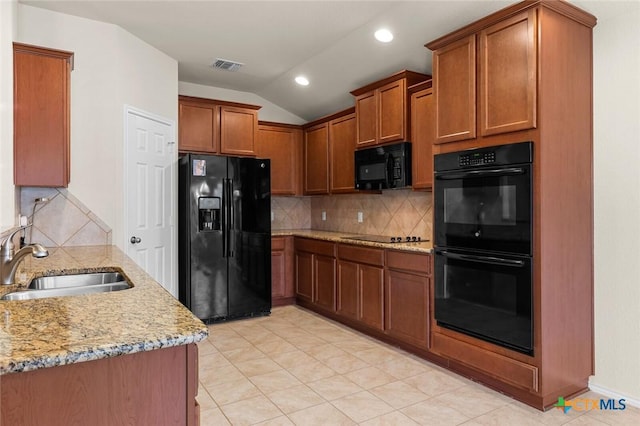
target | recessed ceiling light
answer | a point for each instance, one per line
(383, 35)
(302, 81)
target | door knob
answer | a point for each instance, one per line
(135, 240)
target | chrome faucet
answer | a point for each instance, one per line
(9, 260)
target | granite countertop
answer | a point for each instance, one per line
(339, 237)
(48, 332)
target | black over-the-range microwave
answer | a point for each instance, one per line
(383, 167)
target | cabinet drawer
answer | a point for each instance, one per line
(506, 369)
(409, 261)
(277, 243)
(361, 254)
(315, 246)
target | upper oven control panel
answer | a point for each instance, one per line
(487, 157)
(477, 159)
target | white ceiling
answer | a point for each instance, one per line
(330, 42)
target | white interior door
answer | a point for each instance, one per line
(150, 182)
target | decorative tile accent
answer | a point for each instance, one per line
(62, 221)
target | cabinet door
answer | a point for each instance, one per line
(282, 276)
(283, 146)
(371, 295)
(238, 131)
(407, 312)
(41, 116)
(347, 289)
(422, 133)
(342, 141)
(366, 117)
(454, 76)
(392, 105)
(325, 281)
(198, 123)
(304, 275)
(316, 160)
(508, 70)
(278, 274)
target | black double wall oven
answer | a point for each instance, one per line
(483, 222)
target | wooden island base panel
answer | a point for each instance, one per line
(146, 388)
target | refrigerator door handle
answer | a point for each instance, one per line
(230, 221)
(225, 219)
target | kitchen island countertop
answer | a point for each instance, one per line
(341, 237)
(48, 332)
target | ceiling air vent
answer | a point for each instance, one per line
(226, 65)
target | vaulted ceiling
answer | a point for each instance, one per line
(330, 42)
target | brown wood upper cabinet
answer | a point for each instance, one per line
(328, 154)
(342, 145)
(422, 134)
(41, 116)
(238, 130)
(503, 57)
(217, 127)
(316, 160)
(382, 109)
(282, 144)
(508, 70)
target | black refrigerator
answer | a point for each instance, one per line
(224, 236)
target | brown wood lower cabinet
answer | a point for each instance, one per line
(315, 271)
(282, 285)
(360, 285)
(382, 292)
(324, 271)
(407, 297)
(146, 388)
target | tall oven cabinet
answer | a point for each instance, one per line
(521, 74)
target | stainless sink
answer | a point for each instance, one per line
(76, 280)
(71, 285)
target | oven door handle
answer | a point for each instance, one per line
(483, 259)
(509, 171)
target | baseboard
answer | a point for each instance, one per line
(613, 394)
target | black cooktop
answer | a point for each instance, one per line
(387, 239)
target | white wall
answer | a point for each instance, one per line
(112, 68)
(617, 203)
(268, 112)
(8, 17)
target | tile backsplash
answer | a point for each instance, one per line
(290, 213)
(61, 221)
(65, 221)
(392, 213)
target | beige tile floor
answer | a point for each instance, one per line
(296, 367)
